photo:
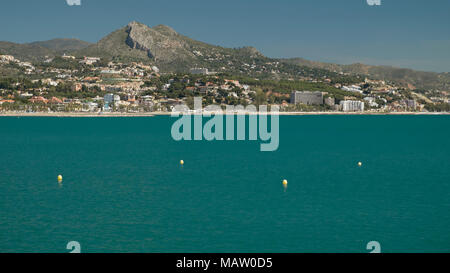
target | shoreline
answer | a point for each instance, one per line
(153, 114)
(76, 115)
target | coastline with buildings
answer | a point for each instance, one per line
(153, 114)
(88, 86)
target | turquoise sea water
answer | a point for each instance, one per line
(125, 191)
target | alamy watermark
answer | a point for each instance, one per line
(74, 246)
(374, 246)
(374, 2)
(216, 129)
(73, 2)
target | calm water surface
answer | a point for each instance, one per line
(125, 191)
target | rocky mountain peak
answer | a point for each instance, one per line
(166, 30)
(160, 42)
(134, 24)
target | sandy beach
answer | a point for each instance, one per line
(75, 114)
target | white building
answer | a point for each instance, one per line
(26, 95)
(90, 60)
(68, 56)
(7, 58)
(156, 69)
(371, 101)
(202, 71)
(50, 82)
(353, 88)
(352, 106)
(111, 98)
(110, 71)
(90, 107)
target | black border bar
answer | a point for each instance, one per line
(224, 262)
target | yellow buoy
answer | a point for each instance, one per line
(181, 162)
(285, 182)
(359, 164)
(60, 178)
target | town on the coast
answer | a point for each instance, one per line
(90, 85)
(141, 69)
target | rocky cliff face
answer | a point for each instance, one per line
(161, 43)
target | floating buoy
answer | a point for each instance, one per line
(359, 164)
(60, 178)
(181, 162)
(285, 183)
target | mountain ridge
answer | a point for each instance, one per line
(39, 50)
(62, 44)
(161, 45)
(407, 77)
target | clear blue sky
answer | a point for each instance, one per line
(403, 33)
